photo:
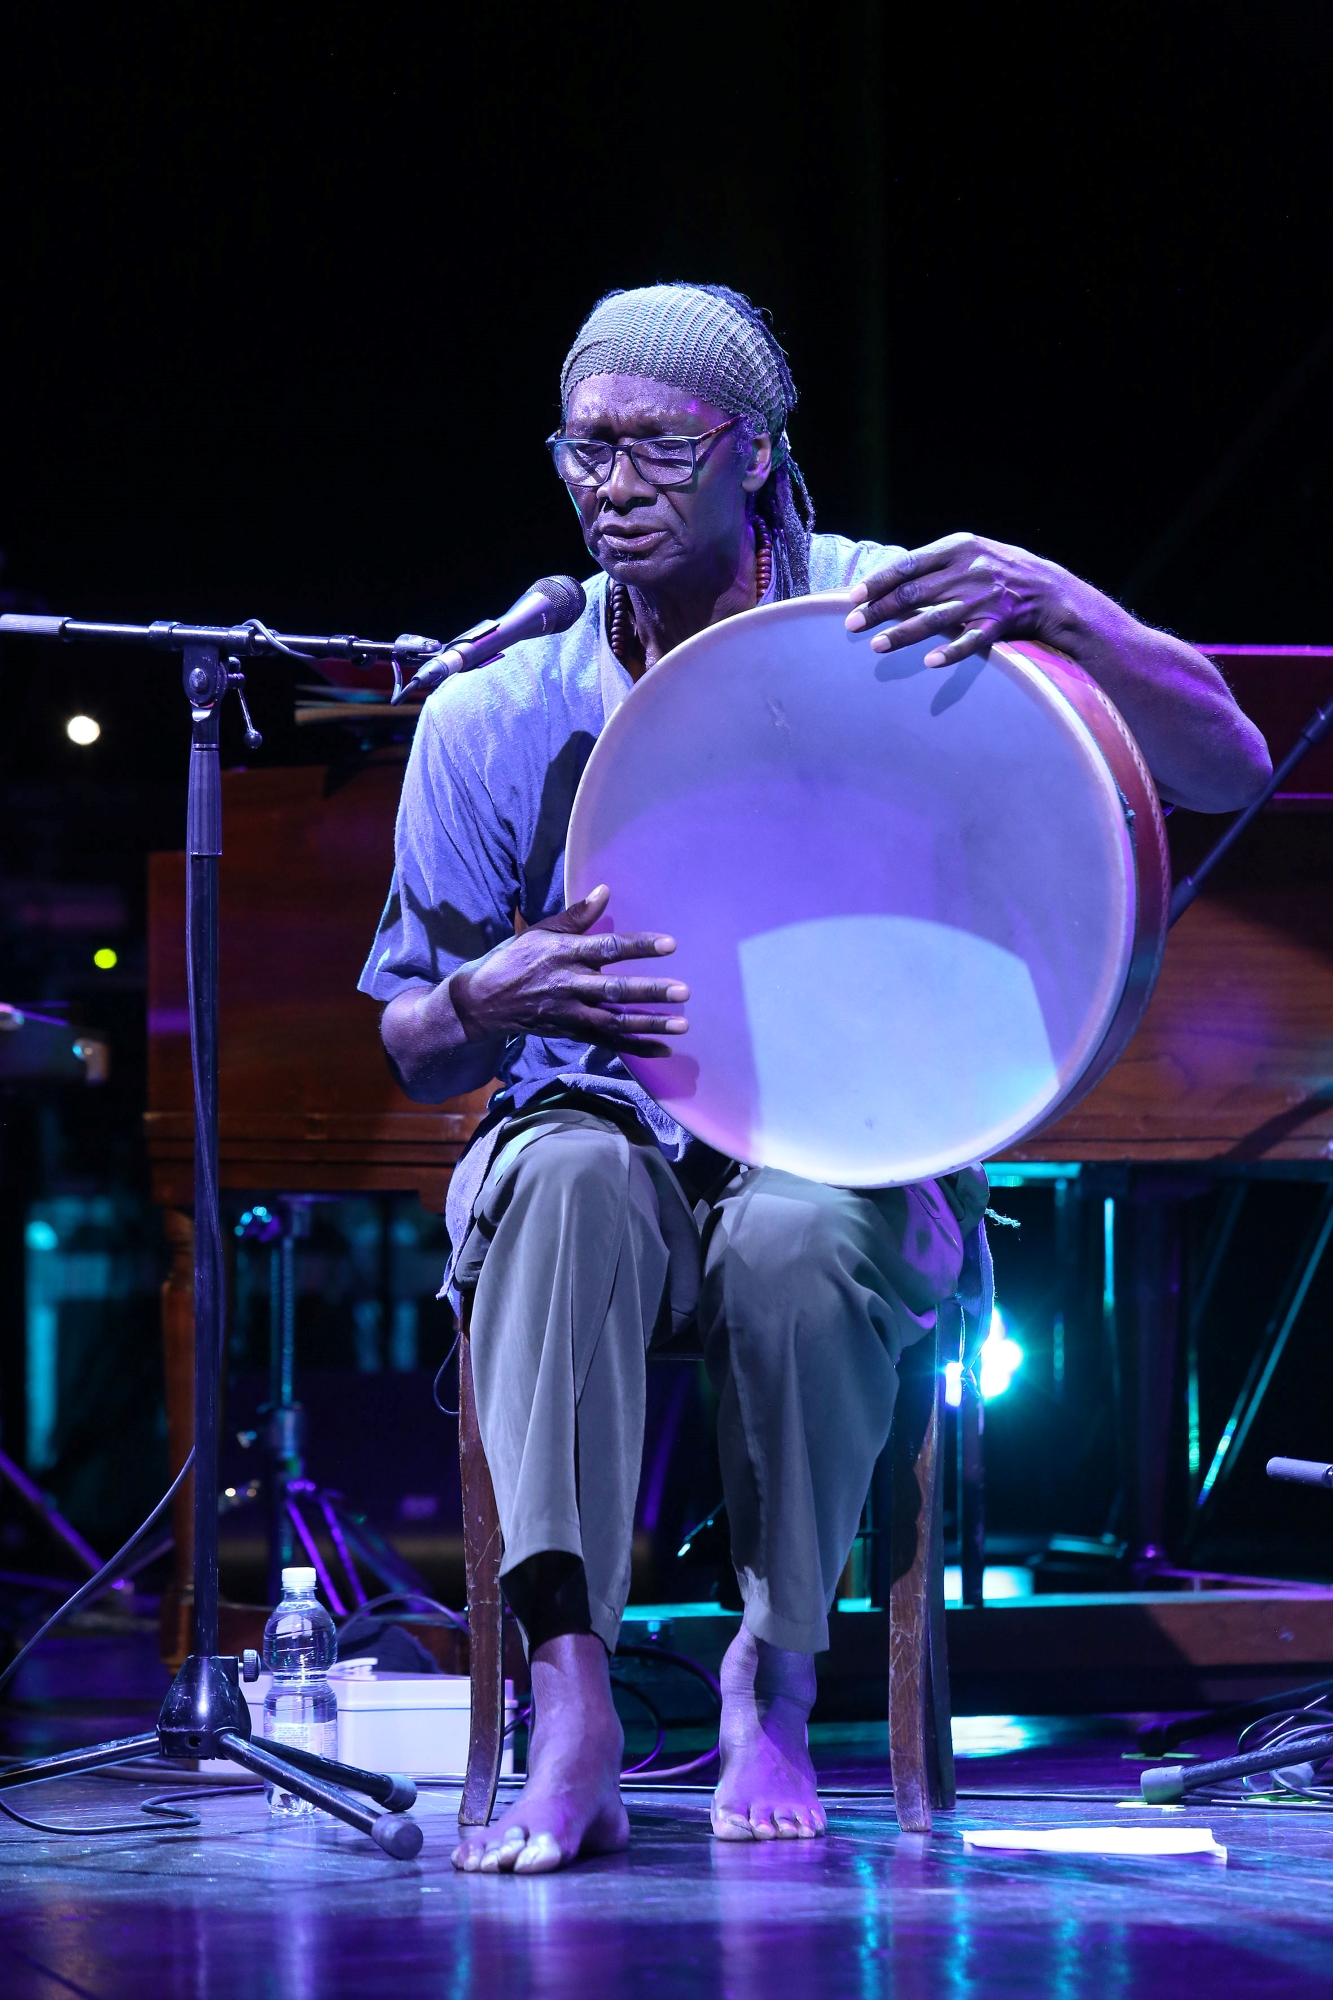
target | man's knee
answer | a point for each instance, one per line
(579, 1172)
(801, 1319)
(796, 1247)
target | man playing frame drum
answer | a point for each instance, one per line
(584, 1220)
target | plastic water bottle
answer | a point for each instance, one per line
(300, 1707)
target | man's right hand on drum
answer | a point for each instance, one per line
(548, 980)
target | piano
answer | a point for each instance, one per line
(1232, 1067)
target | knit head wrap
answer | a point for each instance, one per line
(712, 343)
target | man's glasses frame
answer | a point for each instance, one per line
(570, 450)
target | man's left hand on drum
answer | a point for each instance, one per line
(976, 590)
(549, 980)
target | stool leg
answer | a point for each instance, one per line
(482, 1551)
(939, 1708)
(920, 1752)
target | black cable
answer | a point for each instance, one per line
(663, 1655)
(456, 1619)
(673, 1771)
(682, 1660)
(178, 1818)
(258, 626)
(1279, 1747)
(439, 1377)
(104, 1576)
(637, 1694)
(159, 1806)
(1158, 1739)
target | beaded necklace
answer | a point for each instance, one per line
(623, 635)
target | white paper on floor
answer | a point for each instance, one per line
(1109, 1840)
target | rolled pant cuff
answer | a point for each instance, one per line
(605, 1621)
(535, 1540)
(790, 1634)
(536, 1537)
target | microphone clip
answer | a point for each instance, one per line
(412, 650)
(433, 662)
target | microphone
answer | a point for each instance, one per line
(552, 605)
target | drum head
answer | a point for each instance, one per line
(903, 899)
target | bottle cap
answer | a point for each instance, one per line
(296, 1578)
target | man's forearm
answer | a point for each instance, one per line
(428, 1048)
(1202, 750)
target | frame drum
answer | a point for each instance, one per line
(920, 912)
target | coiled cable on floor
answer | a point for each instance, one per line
(1289, 1733)
(661, 1655)
(160, 1806)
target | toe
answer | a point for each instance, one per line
(762, 1824)
(730, 1825)
(501, 1855)
(539, 1856)
(787, 1824)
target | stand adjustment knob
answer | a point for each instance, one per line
(249, 1664)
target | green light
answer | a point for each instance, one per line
(105, 960)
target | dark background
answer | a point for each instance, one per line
(286, 294)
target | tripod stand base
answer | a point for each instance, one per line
(202, 1702)
(315, 1779)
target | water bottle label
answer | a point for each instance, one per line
(318, 1736)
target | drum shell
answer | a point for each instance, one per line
(1152, 854)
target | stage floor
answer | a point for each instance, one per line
(240, 1905)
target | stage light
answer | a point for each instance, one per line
(1001, 1358)
(105, 960)
(81, 729)
(953, 1383)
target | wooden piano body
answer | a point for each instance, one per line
(1233, 1062)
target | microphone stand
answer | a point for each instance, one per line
(1293, 1758)
(1184, 892)
(205, 1713)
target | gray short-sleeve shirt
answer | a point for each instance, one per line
(482, 822)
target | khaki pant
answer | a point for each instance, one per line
(583, 1247)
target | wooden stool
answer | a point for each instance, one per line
(920, 1750)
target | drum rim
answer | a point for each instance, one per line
(1018, 667)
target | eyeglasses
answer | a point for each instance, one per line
(662, 461)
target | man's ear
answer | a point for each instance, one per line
(761, 463)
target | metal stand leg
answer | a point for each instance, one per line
(1264, 1365)
(1157, 1273)
(972, 1492)
(205, 1713)
(70, 1763)
(397, 1835)
(284, 1419)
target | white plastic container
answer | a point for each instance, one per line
(413, 1723)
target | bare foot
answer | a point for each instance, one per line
(766, 1790)
(570, 1806)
